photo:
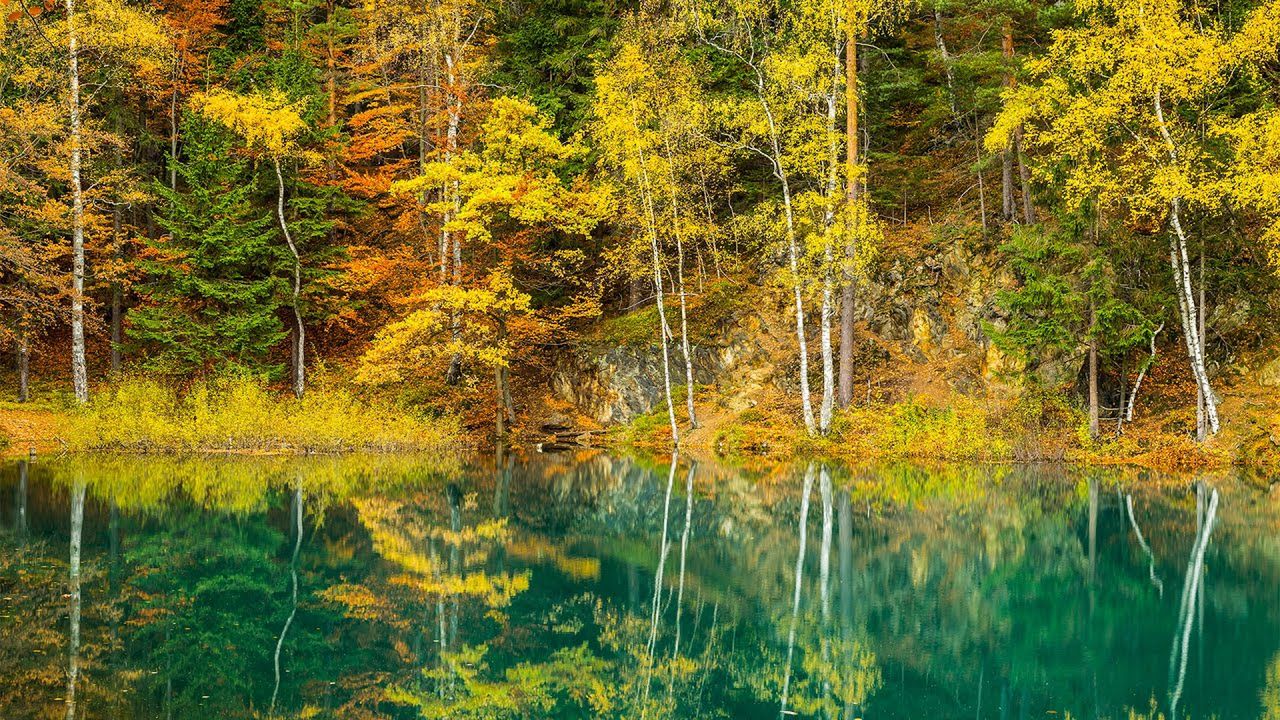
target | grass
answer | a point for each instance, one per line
(241, 415)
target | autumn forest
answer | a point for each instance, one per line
(751, 225)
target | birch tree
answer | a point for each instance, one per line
(792, 58)
(102, 43)
(651, 125)
(1114, 110)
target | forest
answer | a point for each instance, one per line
(994, 229)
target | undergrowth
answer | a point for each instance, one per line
(242, 415)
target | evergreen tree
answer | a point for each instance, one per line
(212, 297)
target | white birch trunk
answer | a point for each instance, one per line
(684, 320)
(1137, 384)
(828, 280)
(300, 333)
(454, 204)
(79, 365)
(1182, 281)
(792, 250)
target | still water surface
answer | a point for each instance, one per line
(589, 585)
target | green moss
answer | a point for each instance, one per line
(637, 328)
(708, 311)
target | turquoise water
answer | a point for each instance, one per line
(588, 585)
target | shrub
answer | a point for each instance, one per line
(240, 414)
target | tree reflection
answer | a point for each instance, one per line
(602, 586)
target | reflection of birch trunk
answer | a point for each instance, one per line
(1093, 527)
(684, 550)
(1151, 558)
(1190, 594)
(824, 577)
(846, 579)
(456, 559)
(73, 586)
(657, 586)
(296, 522)
(20, 512)
(824, 561)
(795, 598)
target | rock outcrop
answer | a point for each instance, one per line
(927, 315)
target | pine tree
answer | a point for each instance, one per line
(212, 298)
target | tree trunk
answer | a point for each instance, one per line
(680, 291)
(79, 365)
(173, 125)
(662, 331)
(1093, 372)
(1137, 384)
(24, 365)
(300, 333)
(1024, 176)
(117, 293)
(1201, 430)
(852, 189)
(828, 276)
(1187, 311)
(945, 59)
(454, 375)
(1006, 158)
(780, 172)
(806, 403)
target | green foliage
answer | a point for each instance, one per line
(546, 51)
(1068, 295)
(211, 295)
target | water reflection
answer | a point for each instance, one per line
(590, 585)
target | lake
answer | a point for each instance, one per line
(585, 584)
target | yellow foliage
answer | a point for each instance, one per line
(239, 415)
(267, 122)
